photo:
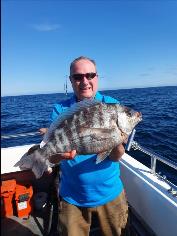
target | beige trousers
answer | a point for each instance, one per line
(76, 221)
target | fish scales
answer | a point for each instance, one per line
(75, 122)
(89, 127)
(98, 116)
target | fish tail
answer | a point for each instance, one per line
(36, 162)
(40, 167)
(26, 162)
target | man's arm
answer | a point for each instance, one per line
(119, 150)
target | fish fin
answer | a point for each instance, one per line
(26, 162)
(67, 114)
(101, 156)
(35, 161)
(40, 167)
(42, 144)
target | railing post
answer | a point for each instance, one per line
(130, 140)
(153, 165)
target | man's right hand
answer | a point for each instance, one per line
(62, 156)
(54, 159)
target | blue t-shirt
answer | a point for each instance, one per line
(83, 182)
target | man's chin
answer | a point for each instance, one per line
(85, 95)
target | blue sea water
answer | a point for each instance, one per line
(157, 131)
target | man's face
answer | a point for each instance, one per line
(84, 88)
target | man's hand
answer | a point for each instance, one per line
(54, 159)
(119, 150)
(43, 130)
(117, 153)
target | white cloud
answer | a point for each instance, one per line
(45, 27)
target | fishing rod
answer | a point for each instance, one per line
(66, 86)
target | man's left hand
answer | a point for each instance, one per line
(117, 153)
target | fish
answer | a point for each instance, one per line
(89, 127)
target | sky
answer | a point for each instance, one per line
(134, 43)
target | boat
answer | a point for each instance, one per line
(152, 198)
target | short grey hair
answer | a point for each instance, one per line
(80, 58)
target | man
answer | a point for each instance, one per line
(87, 187)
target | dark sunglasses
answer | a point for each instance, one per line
(79, 77)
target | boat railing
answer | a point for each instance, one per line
(154, 157)
(9, 136)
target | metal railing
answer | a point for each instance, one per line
(20, 135)
(154, 157)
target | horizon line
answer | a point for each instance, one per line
(103, 89)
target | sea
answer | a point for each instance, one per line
(156, 132)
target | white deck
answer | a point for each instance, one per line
(147, 194)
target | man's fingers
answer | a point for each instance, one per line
(70, 155)
(62, 156)
(125, 140)
(43, 130)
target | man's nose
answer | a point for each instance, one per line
(84, 80)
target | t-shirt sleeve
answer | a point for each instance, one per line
(108, 99)
(57, 110)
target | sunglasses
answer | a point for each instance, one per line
(79, 77)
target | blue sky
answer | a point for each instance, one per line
(134, 43)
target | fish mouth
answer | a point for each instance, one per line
(138, 115)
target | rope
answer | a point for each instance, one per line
(20, 135)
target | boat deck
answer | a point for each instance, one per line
(35, 225)
(44, 223)
(23, 227)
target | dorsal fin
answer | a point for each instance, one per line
(67, 114)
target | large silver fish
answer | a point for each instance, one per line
(89, 127)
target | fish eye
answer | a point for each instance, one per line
(128, 111)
